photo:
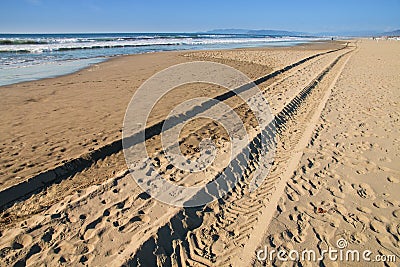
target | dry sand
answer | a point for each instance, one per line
(335, 173)
(347, 182)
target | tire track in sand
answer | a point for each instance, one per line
(130, 214)
(46, 178)
(213, 235)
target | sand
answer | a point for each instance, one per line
(346, 184)
(335, 173)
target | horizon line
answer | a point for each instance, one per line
(206, 31)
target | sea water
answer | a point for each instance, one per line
(26, 57)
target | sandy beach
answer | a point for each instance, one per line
(67, 197)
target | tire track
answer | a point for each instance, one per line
(47, 178)
(128, 213)
(302, 140)
(232, 218)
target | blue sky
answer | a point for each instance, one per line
(27, 16)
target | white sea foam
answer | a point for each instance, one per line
(74, 43)
(26, 57)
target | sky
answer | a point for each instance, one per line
(60, 16)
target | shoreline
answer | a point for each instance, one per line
(108, 58)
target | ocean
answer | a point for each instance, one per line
(26, 57)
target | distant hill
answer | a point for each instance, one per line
(258, 32)
(228, 31)
(279, 33)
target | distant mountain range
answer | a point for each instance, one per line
(294, 33)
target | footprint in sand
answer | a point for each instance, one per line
(48, 236)
(358, 238)
(134, 222)
(382, 204)
(377, 227)
(364, 190)
(396, 213)
(281, 205)
(393, 180)
(22, 241)
(335, 191)
(364, 210)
